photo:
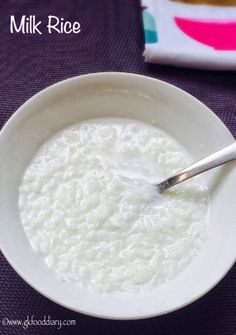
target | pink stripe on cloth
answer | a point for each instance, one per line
(219, 34)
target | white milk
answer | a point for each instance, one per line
(88, 205)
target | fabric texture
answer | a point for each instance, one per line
(190, 34)
(111, 39)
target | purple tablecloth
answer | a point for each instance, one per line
(111, 39)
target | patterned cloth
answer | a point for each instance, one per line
(111, 39)
(192, 33)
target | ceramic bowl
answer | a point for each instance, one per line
(131, 96)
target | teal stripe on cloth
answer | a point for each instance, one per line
(150, 32)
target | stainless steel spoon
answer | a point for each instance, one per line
(218, 158)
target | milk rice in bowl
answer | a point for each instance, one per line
(89, 206)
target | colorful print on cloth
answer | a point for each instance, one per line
(210, 2)
(219, 34)
(149, 23)
(191, 33)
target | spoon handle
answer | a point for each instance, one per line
(220, 157)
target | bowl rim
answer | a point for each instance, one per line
(101, 75)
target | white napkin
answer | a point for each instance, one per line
(191, 35)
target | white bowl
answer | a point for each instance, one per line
(135, 97)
